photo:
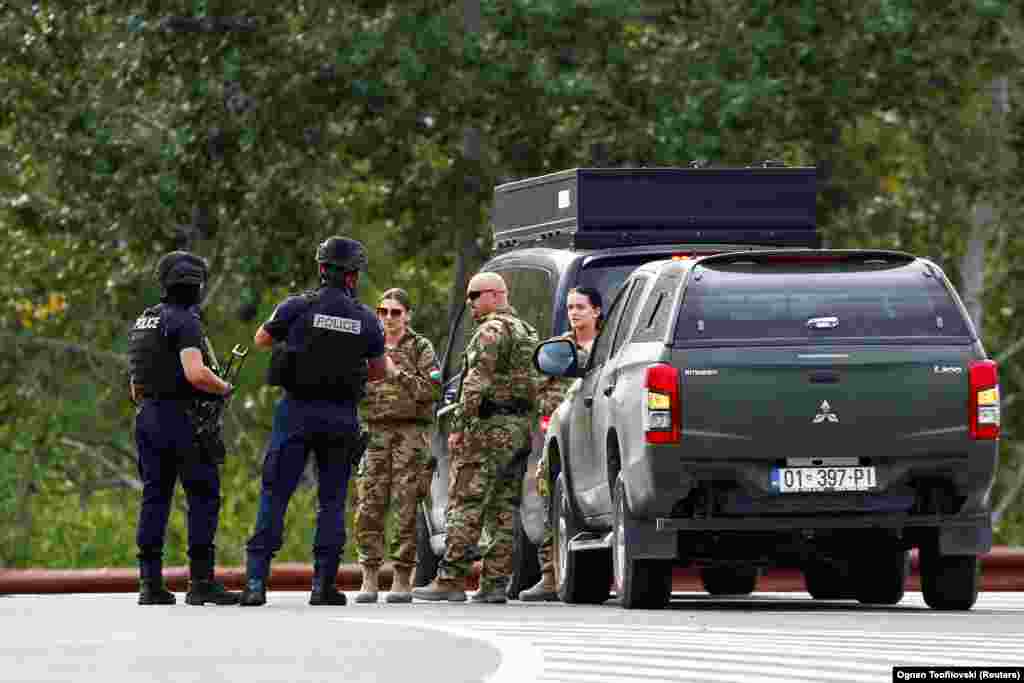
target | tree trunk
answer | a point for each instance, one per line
(972, 267)
(984, 217)
(472, 145)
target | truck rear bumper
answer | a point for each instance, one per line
(891, 521)
(962, 534)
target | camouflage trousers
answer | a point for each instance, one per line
(394, 474)
(544, 555)
(483, 493)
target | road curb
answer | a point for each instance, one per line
(1002, 570)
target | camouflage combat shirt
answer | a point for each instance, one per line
(497, 364)
(410, 395)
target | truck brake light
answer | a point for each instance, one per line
(984, 418)
(544, 422)
(662, 410)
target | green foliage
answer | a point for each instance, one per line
(248, 131)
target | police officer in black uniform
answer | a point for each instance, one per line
(325, 346)
(170, 369)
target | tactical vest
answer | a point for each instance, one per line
(154, 364)
(331, 363)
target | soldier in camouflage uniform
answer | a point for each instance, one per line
(399, 413)
(491, 425)
(584, 311)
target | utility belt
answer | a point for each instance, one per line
(518, 407)
(308, 395)
(398, 421)
(144, 393)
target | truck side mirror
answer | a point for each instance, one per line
(558, 358)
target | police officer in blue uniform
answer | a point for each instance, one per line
(170, 369)
(325, 346)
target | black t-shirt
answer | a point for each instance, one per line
(184, 331)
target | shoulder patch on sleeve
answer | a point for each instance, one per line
(490, 332)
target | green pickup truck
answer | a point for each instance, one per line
(822, 409)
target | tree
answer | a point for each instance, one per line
(249, 131)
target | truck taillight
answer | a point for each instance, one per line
(544, 422)
(983, 376)
(661, 404)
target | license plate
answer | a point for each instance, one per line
(823, 479)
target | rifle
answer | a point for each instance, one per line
(208, 415)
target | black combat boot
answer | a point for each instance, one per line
(202, 588)
(255, 593)
(257, 568)
(325, 591)
(151, 584)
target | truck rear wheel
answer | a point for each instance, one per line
(582, 577)
(949, 582)
(882, 577)
(640, 584)
(729, 580)
(829, 581)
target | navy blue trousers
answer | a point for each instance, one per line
(300, 427)
(165, 441)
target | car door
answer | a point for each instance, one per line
(587, 472)
(609, 398)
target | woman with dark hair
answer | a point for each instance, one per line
(398, 413)
(583, 307)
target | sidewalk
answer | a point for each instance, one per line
(1002, 570)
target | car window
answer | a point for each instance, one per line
(628, 313)
(816, 304)
(607, 274)
(654, 317)
(602, 345)
(532, 293)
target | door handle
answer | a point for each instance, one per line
(608, 390)
(588, 401)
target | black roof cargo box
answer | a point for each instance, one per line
(596, 208)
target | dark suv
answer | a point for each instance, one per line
(593, 228)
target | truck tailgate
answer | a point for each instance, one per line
(816, 401)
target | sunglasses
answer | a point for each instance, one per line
(392, 312)
(474, 295)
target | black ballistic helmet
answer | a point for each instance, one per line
(181, 268)
(345, 254)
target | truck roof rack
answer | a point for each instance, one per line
(597, 208)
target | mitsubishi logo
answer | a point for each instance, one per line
(825, 413)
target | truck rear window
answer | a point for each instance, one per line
(817, 303)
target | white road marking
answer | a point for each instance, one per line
(520, 661)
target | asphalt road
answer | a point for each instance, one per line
(769, 637)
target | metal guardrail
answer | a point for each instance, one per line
(1002, 570)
